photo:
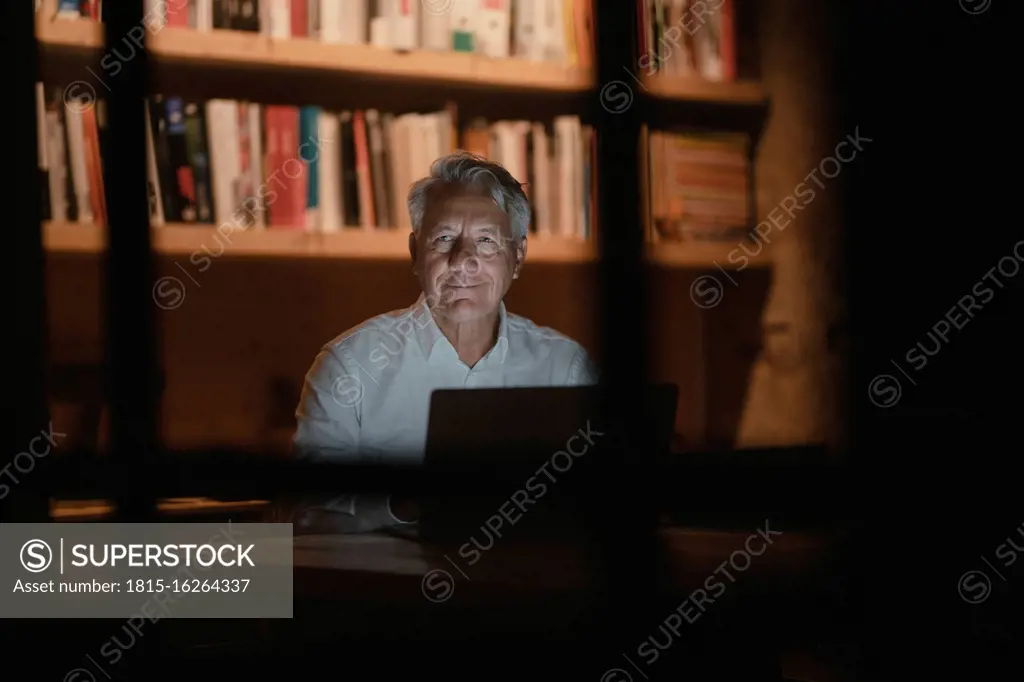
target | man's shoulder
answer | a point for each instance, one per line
(369, 332)
(526, 333)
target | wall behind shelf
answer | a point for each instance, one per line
(795, 388)
(237, 348)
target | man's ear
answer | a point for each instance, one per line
(412, 249)
(520, 257)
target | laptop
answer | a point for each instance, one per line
(535, 444)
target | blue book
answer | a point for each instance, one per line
(309, 152)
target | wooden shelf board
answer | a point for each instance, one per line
(380, 245)
(256, 51)
(699, 90)
(351, 243)
(705, 255)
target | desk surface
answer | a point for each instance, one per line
(377, 566)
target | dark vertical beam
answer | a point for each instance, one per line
(131, 341)
(22, 483)
(623, 301)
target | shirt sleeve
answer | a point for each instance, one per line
(581, 370)
(329, 411)
(327, 429)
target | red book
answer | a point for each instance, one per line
(727, 26)
(285, 172)
(94, 166)
(177, 13)
(369, 219)
(90, 9)
(300, 18)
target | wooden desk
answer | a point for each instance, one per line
(379, 567)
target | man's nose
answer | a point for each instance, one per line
(464, 257)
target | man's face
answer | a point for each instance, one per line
(465, 256)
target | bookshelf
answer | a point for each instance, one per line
(703, 255)
(260, 52)
(82, 42)
(391, 245)
(698, 90)
(182, 239)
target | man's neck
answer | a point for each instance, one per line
(471, 340)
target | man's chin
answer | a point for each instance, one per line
(465, 310)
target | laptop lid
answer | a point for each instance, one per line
(528, 439)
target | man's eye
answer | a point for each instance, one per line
(443, 237)
(486, 239)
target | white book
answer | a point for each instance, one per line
(523, 31)
(380, 31)
(565, 150)
(79, 169)
(156, 202)
(493, 23)
(430, 143)
(225, 161)
(354, 22)
(579, 178)
(329, 172)
(505, 136)
(330, 21)
(155, 17)
(378, 174)
(44, 163)
(256, 181)
(401, 162)
(551, 31)
(540, 191)
(708, 45)
(279, 13)
(405, 24)
(445, 125)
(395, 196)
(435, 29)
(204, 15)
(57, 167)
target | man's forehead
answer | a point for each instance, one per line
(463, 201)
(466, 205)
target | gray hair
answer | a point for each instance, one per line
(463, 168)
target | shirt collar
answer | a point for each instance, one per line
(436, 345)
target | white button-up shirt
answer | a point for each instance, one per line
(367, 396)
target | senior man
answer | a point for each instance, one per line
(366, 397)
